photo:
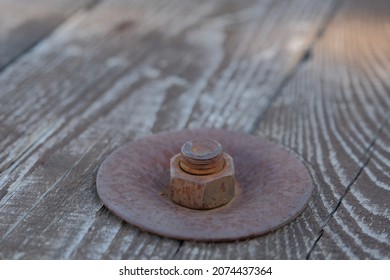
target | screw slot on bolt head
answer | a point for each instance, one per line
(202, 175)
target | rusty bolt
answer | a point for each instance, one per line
(202, 175)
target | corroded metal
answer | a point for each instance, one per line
(201, 157)
(272, 187)
(202, 176)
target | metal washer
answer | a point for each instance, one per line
(274, 187)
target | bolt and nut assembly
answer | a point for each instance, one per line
(202, 175)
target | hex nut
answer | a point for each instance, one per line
(205, 191)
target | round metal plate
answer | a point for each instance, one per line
(273, 189)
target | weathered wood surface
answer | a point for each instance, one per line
(310, 75)
(22, 26)
(334, 113)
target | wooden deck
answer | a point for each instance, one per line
(80, 78)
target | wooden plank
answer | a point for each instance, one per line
(359, 229)
(333, 115)
(118, 72)
(22, 26)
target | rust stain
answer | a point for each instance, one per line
(265, 197)
(200, 169)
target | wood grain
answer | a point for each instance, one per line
(126, 69)
(359, 229)
(49, 178)
(22, 25)
(334, 114)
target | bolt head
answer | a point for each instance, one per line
(202, 191)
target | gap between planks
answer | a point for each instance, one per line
(368, 153)
(298, 62)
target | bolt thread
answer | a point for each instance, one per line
(202, 157)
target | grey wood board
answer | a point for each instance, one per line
(334, 113)
(126, 69)
(23, 24)
(359, 229)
